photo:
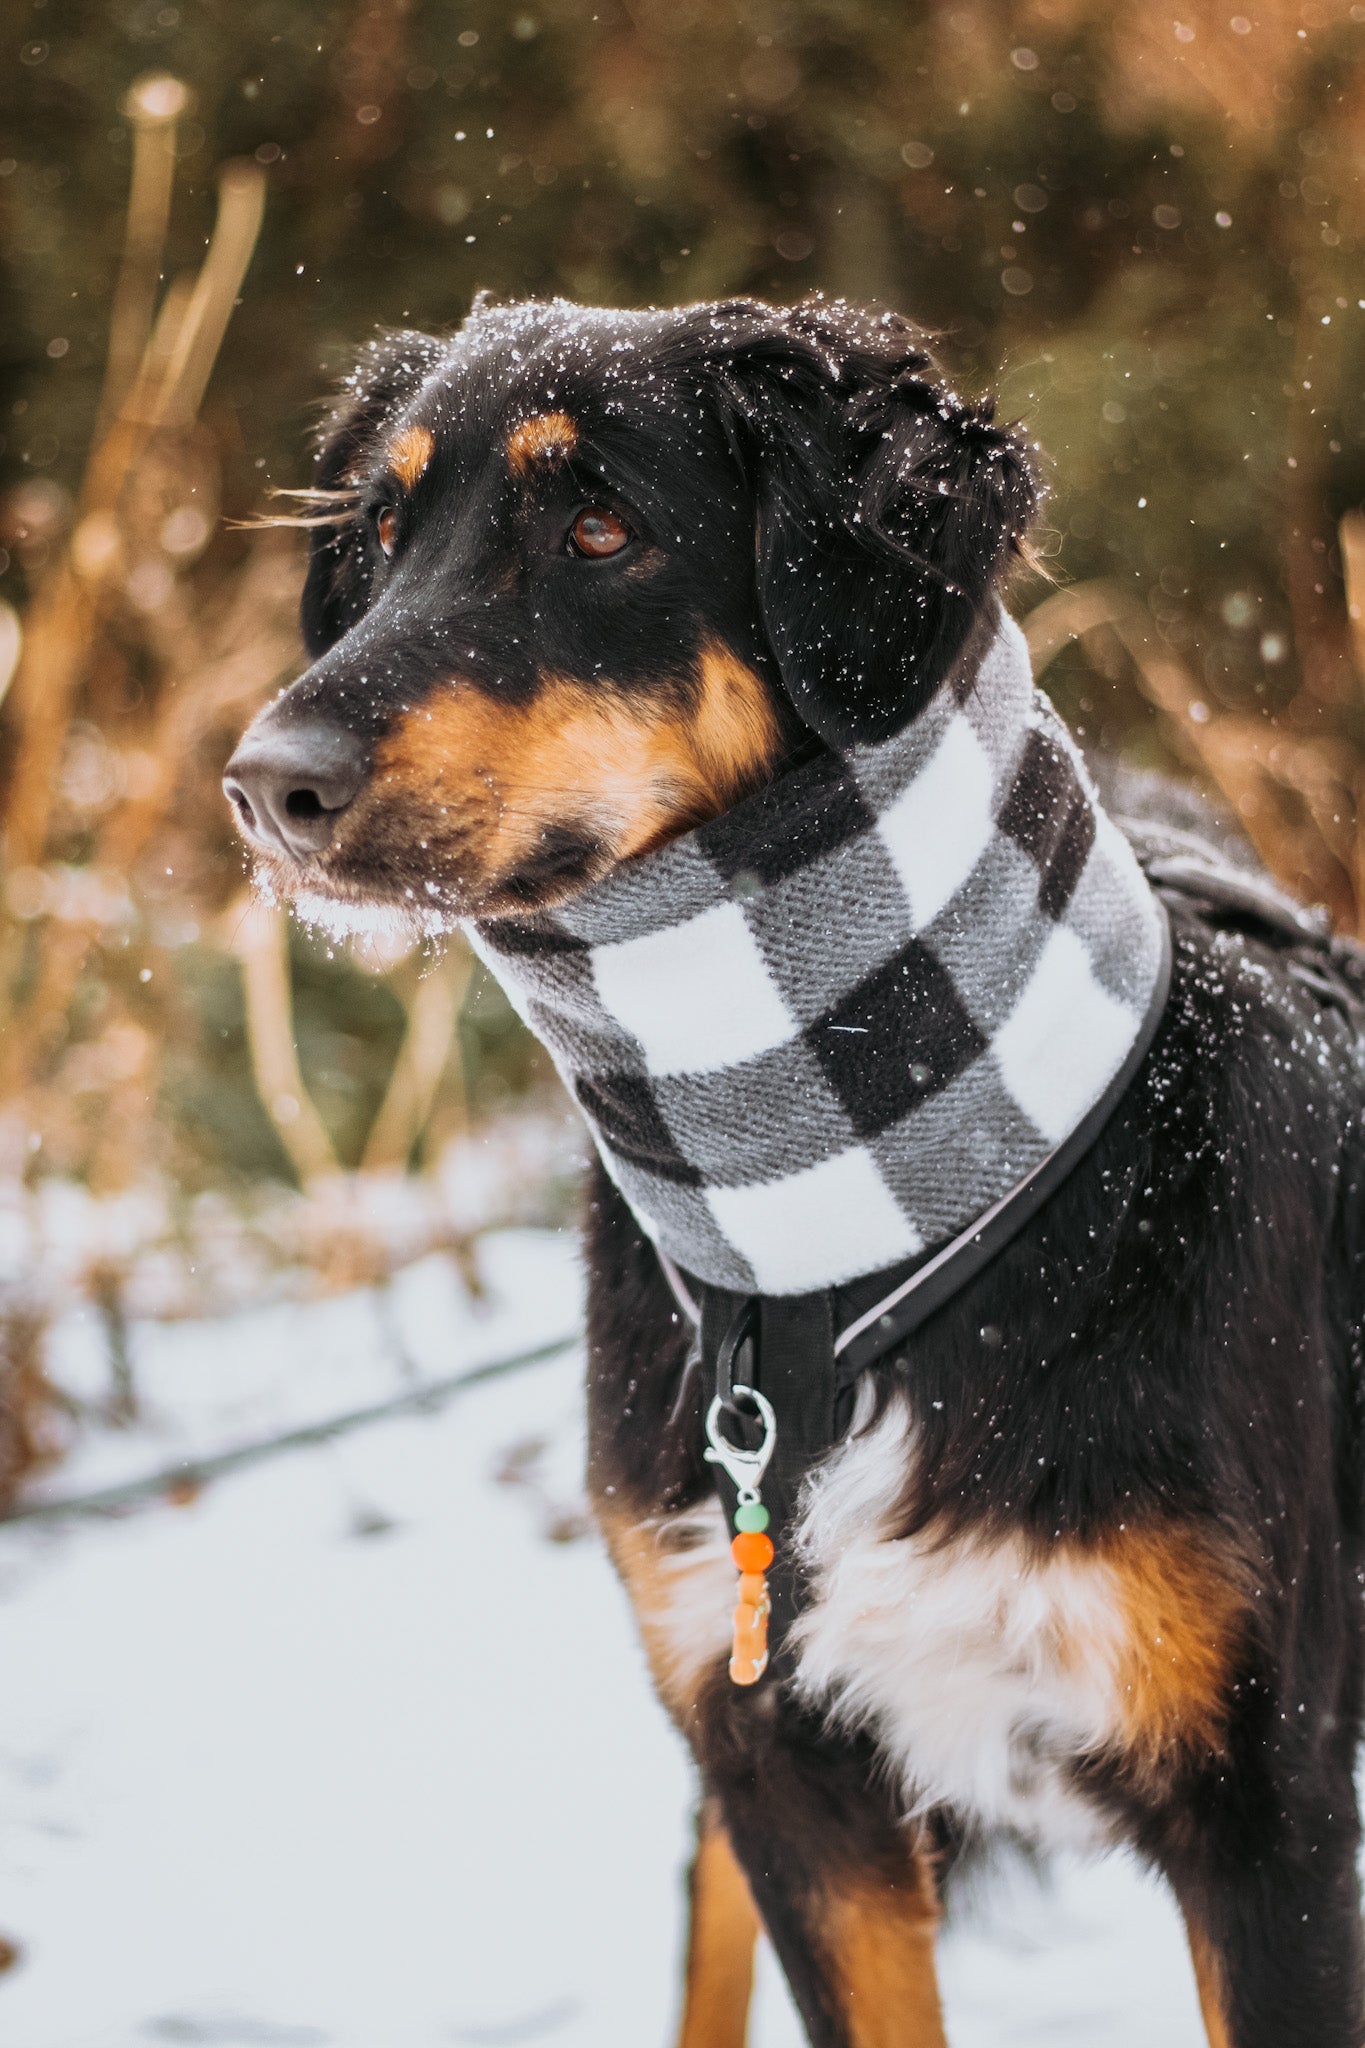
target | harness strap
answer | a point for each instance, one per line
(806, 1352)
(906, 1303)
(785, 1350)
(905, 1296)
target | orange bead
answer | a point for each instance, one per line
(753, 1588)
(752, 1551)
(750, 1621)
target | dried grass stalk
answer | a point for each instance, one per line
(1295, 789)
(262, 946)
(154, 105)
(241, 208)
(28, 1400)
(1352, 538)
(422, 1057)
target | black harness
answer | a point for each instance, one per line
(805, 1353)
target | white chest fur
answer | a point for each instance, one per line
(981, 1671)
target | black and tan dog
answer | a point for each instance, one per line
(1092, 1567)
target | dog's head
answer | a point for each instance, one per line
(584, 578)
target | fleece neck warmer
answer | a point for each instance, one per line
(819, 1035)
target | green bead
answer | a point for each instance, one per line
(752, 1516)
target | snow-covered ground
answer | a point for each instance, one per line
(356, 1748)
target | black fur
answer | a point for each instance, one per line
(337, 589)
(886, 509)
(885, 506)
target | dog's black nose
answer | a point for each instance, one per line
(288, 783)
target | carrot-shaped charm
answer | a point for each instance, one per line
(752, 1551)
(752, 1548)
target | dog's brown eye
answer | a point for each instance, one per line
(387, 528)
(599, 532)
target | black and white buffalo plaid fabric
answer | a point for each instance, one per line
(825, 1031)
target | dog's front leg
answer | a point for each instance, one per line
(845, 1890)
(1274, 1923)
(798, 1822)
(722, 1930)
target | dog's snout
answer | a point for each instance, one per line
(287, 783)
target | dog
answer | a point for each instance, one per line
(1085, 1562)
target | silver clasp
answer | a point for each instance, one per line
(745, 1469)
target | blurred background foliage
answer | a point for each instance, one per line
(1144, 228)
(1147, 229)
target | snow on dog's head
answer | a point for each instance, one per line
(581, 579)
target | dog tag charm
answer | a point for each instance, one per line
(752, 1547)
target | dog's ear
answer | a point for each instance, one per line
(888, 509)
(336, 591)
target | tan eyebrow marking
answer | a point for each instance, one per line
(546, 437)
(409, 454)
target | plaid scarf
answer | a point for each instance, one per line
(819, 1035)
